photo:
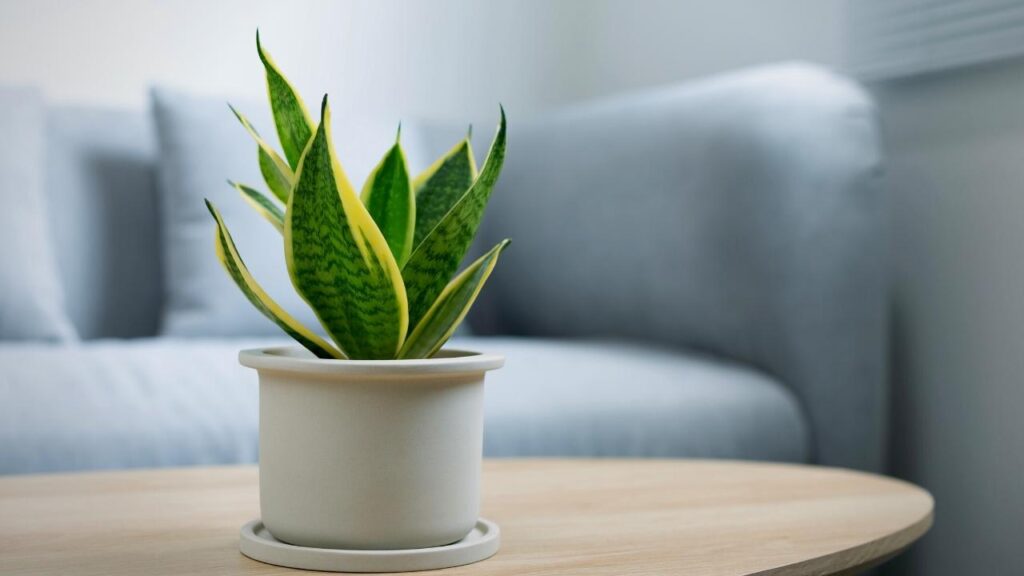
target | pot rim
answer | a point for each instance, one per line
(299, 360)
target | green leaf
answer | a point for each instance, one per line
(276, 172)
(435, 259)
(294, 126)
(338, 259)
(388, 196)
(441, 186)
(228, 255)
(276, 180)
(266, 207)
(451, 307)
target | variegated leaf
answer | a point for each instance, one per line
(439, 187)
(338, 259)
(235, 267)
(451, 307)
(266, 207)
(437, 257)
(276, 180)
(294, 126)
(388, 196)
(275, 170)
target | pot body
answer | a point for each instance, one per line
(370, 454)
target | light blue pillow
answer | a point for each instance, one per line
(31, 296)
(201, 144)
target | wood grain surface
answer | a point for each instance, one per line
(557, 517)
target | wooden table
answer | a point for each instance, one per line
(557, 517)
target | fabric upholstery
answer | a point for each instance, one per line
(170, 402)
(739, 215)
(201, 145)
(31, 295)
(101, 185)
(123, 404)
(558, 398)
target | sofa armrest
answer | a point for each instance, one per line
(739, 215)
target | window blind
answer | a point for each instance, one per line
(894, 38)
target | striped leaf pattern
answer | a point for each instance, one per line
(441, 186)
(437, 257)
(294, 126)
(228, 255)
(451, 307)
(374, 267)
(266, 207)
(388, 196)
(278, 181)
(338, 259)
(275, 170)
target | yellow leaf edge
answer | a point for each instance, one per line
(456, 282)
(365, 232)
(226, 248)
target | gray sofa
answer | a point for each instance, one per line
(697, 271)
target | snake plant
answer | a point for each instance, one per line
(376, 267)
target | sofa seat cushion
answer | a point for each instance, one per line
(173, 402)
(126, 404)
(562, 398)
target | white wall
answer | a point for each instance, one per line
(444, 59)
(956, 177)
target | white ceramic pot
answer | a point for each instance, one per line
(370, 454)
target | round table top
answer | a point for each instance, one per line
(697, 517)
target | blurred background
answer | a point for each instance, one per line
(948, 81)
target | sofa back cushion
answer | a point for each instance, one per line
(31, 297)
(200, 145)
(107, 224)
(740, 215)
(672, 214)
(101, 187)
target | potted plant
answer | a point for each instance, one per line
(371, 439)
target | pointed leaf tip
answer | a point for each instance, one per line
(232, 262)
(436, 257)
(389, 197)
(260, 52)
(266, 208)
(235, 111)
(276, 172)
(441, 185)
(355, 287)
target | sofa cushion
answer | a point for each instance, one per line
(145, 402)
(201, 145)
(741, 214)
(169, 402)
(577, 398)
(100, 180)
(31, 297)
